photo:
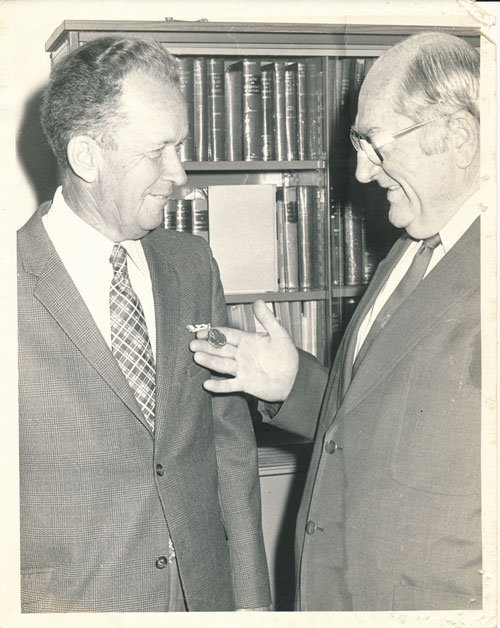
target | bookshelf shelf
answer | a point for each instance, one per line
(263, 166)
(314, 295)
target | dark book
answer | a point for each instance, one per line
(291, 111)
(200, 109)
(170, 214)
(279, 109)
(184, 221)
(358, 74)
(315, 109)
(199, 214)
(305, 209)
(215, 90)
(267, 112)
(186, 152)
(352, 223)
(286, 204)
(302, 116)
(233, 107)
(320, 244)
(336, 247)
(252, 109)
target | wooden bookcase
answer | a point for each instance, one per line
(283, 460)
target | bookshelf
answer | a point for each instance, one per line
(350, 229)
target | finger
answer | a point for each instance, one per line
(227, 366)
(202, 346)
(267, 319)
(223, 385)
(233, 336)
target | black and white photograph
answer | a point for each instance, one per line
(250, 312)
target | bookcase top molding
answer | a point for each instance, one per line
(251, 34)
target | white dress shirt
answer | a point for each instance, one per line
(85, 253)
(449, 234)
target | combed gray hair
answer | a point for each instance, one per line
(440, 78)
(84, 91)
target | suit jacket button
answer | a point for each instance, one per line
(162, 562)
(160, 470)
(310, 527)
(331, 447)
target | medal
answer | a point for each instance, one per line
(215, 337)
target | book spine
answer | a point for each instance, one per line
(302, 139)
(233, 107)
(199, 217)
(314, 83)
(183, 215)
(358, 72)
(337, 249)
(291, 111)
(352, 245)
(320, 240)
(287, 201)
(215, 91)
(279, 111)
(252, 110)
(187, 88)
(267, 114)
(170, 214)
(305, 236)
(200, 109)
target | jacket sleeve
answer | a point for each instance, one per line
(300, 411)
(239, 488)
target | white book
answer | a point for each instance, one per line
(242, 235)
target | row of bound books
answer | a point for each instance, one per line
(264, 238)
(252, 109)
(303, 320)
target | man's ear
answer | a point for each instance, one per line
(464, 136)
(83, 157)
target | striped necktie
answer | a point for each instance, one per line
(130, 342)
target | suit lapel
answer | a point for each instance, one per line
(57, 292)
(452, 279)
(166, 292)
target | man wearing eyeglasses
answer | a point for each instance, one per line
(391, 512)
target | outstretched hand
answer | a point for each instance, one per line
(261, 364)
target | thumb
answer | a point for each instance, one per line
(267, 319)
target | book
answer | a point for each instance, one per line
(186, 152)
(336, 246)
(199, 214)
(242, 235)
(352, 244)
(320, 244)
(286, 202)
(267, 112)
(233, 109)
(200, 109)
(252, 109)
(215, 99)
(305, 236)
(315, 109)
(291, 111)
(170, 214)
(183, 215)
(302, 115)
(279, 110)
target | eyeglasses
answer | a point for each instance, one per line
(371, 150)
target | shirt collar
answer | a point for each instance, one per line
(460, 221)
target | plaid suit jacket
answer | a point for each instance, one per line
(100, 494)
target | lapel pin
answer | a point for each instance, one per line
(215, 337)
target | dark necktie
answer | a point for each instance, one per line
(129, 336)
(408, 283)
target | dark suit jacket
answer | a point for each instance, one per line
(391, 513)
(94, 504)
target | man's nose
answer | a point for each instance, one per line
(366, 170)
(172, 169)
